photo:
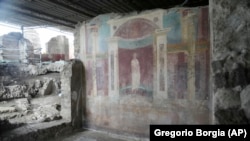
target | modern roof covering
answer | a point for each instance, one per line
(65, 14)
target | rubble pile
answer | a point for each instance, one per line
(30, 93)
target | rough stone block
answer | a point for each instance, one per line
(47, 88)
(245, 101)
(16, 91)
(225, 99)
(219, 80)
(2, 90)
(239, 77)
(230, 116)
(46, 113)
(57, 66)
(7, 109)
(217, 66)
(22, 104)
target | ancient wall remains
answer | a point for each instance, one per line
(38, 94)
(230, 22)
(147, 68)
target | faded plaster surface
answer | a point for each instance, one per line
(147, 68)
(230, 62)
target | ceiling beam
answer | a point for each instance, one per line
(110, 6)
(122, 5)
(72, 7)
(86, 5)
(152, 2)
(131, 4)
(96, 5)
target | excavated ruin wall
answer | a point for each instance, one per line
(230, 26)
(73, 92)
(52, 93)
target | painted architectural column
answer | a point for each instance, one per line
(94, 37)
(113, 66)
(161, 63)
(190, 41)
(82, 44)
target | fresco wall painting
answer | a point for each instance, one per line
(152, 64)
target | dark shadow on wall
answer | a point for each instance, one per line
(5, 126)
(78, 94)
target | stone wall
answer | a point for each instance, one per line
(34, 98)
(230, 22)
(37, 132)
(73, 92)
(78, 94)
(35, 94)
(147, 68)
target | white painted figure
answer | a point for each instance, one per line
(135, 72)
